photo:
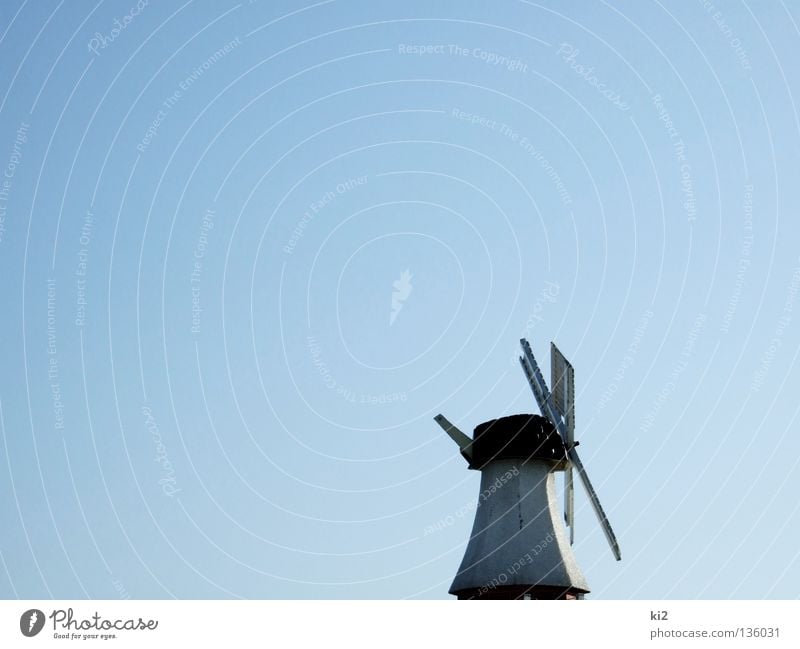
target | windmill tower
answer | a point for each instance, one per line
(519, 548)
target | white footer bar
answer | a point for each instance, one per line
(406, 624)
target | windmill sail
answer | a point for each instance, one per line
(598, 508)
(539, 387)
(464, 442)
(562, 381)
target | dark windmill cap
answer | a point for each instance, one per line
(516, 436)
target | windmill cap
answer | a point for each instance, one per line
(516, 436)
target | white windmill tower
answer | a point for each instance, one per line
(518, 548)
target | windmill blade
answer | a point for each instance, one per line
(569, 503)
(537, 391)
(598, 508)
(562, 385)
(562, 382)
(464, 442)
(539, 387)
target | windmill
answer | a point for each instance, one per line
(518, 548)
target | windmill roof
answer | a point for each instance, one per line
(516, 436)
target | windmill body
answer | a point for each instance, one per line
(518, 547)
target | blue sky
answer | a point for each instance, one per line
(248, 251)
